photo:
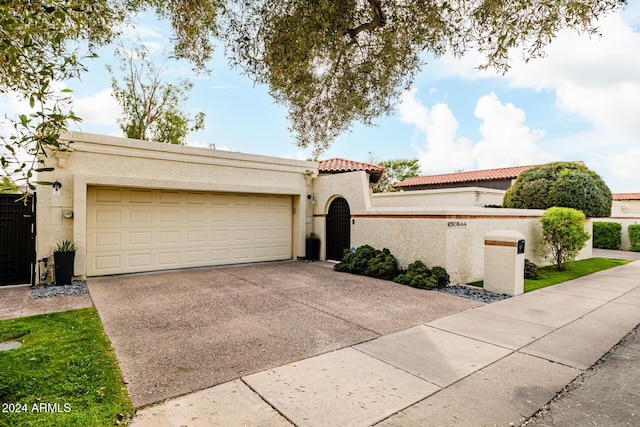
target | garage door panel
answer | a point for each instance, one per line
(135, 230)
(141, 196)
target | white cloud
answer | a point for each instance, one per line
(507, 141)
(100, 109)
(443, 151)
(624, 165)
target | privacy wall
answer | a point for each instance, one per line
(451, 237)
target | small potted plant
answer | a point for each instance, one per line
(312, 247)
(64, 255)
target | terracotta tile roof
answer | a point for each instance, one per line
(470, 176)
(339, 165)
(626, 196)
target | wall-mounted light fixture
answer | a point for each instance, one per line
(56, 188)
(312, 197)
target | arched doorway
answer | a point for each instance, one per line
(338, 228)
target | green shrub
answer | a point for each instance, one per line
(563, 235)
(565, 184)
(419, 276)
(607, 235)
(366, 260)
(382, 266)
(356, 262)
(634, 237)
(530, 270)
(441, 276)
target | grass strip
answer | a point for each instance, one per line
(64, 374)
(550, 276)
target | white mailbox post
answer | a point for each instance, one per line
(504, 262)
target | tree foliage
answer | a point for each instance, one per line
(39, 47)
(563, 235)
(151, 108)
(395, 171)
(564, 184)
(330, 63)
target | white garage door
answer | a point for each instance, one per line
(135, 230)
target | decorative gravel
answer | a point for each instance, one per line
(77, 287)
(476, 294)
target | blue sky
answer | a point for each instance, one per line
(581, 102)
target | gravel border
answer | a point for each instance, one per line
(77, 287)
(473, 293)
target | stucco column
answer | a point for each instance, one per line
(504, 262)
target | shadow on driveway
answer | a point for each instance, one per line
(178, 332)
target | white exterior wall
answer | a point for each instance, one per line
(120, 162)
(625, 207)
(451, 237)
(468, 196)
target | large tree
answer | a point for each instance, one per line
(395, 171)
(331, 63)
(152, 109)
(564, 184)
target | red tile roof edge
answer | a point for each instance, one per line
(625, 196)
(467, 176)
(338, 164)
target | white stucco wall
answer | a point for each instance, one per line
(451, 237)
(625, 207)
(469, 196)
(104, 160)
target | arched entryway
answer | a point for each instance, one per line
(338, 228)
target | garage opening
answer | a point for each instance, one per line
(133, 230)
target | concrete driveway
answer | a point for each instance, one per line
(178, 332)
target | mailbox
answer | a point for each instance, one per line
(521, 246)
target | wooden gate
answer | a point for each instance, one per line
(17, 239)
(338, 226)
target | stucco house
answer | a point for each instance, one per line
(137, 206)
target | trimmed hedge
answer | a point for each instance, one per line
(607, 235)
(634, 237)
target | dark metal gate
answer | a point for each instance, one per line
(338, 228)
(17, 239)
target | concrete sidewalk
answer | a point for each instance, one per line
(492, 365)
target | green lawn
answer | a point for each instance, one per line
(64, 374)
(550, 276)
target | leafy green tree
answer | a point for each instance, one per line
(395, 171)
(563, 235)
(151, 108)
(330, 63)
(565, 184)
(39, 46)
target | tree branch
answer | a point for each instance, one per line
(377, 20)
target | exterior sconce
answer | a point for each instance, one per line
(312, 197)
(56, 188)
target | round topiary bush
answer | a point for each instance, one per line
(563, 184)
